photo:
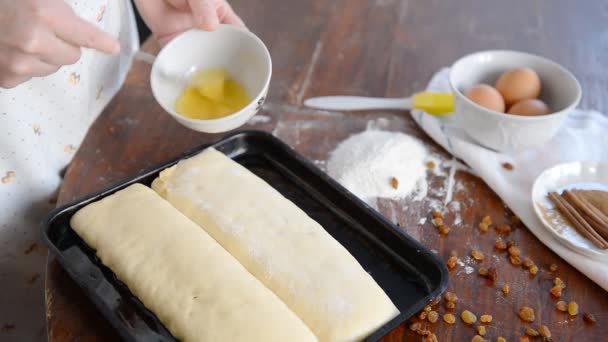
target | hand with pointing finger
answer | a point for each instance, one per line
(40, 36)
(168, 18)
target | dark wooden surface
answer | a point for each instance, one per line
(376, 48)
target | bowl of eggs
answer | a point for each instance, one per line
(509, 101)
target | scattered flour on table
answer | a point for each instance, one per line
(366, 162)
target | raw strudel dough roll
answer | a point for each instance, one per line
(198, 290)
(279, 244)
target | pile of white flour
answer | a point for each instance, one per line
(366, 162)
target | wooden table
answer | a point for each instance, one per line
(376, 48)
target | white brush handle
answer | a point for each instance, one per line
(358, 103)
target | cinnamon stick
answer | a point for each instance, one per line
(577, 221)
(597, 219)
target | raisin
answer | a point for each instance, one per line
(444, 230)
(452, 262)
(450, 297)
(481, 330)
(505, 289)
(487, 220)
(553, 267)
(449, 318)
(450, 305)
(526, 313)
(527, 262)
(556, 291)
(422, 315)
(500, 245)
(485, 318)
(503, 229)
(427, 308)
(437, 214)
(468, 317)
(483, 271)
(483, 227)
(558, 282)
(438, 221)
(501, 339)
(477, 338)
(477, 255)
(415, 326)
(573, 308)
(533, 270)
(515, 260)
(561, 306)
(544, 331)
(433, 316)
(514, 251)
(507, 166)
(430, 165)
(589, 318)
(531, 332)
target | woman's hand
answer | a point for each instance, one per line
(168, 18)
(39, 36)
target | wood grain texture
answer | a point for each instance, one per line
(376, 48)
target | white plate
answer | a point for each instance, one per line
(578, 175)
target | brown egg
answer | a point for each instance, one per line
(529, 107)
(518, 84)
(486, 96)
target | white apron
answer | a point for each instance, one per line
(42, 123)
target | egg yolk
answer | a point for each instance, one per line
(211, 94)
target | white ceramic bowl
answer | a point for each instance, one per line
(239, 51)
(506, 132)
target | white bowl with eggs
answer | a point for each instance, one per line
(502, 131)
(236, 50)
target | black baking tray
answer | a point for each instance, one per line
(410, 274)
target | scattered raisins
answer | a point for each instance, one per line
(423, 332)
(444, 230)
(526, 313)
(524, 339)
(501, 339)
(433, 316)
(449, 318)
(505, 289)
(394, 183)
(544, 331)
(468, 317)
(415, 326)
(435, 301)
(556, 291)
(492, 274)
(452, 262)
(450, 297)
(507, 166)
(477, 255)
(483, 227)
(450, 305)
(422, 315)
(430, 164)
(483, 271)
(437, 214)
(553, 267)
(427, 308)
(558, 282)
(561, 306)
(485, 318)
(500, 245)
(589, 318)
(487, 220)
(481, 330)
(531, 332)
(573, 308)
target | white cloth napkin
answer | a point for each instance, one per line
(584, 137)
